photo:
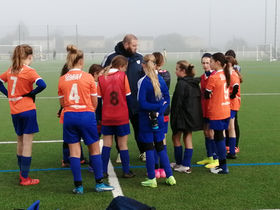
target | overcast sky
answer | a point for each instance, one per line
(229, 18)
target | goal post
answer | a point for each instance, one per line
(264, 53)
(6, 52)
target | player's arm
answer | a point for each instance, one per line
(3, 89)
(165, 95)
(128, 93)
(59, 112)
(94, 101)
(93, 92)
(209, 88)
(235, 89)
(98, 110)
(3, 79)
(61, 100)
(144, 104)
(41, 85)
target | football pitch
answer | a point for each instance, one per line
(253, 181)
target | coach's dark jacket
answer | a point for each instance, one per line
(186, 111)
(134, 72)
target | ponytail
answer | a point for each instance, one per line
(159, 59)
(150, 71)
(187, 67)
(106, 70)
(73, 56)
(21, 52)
(227, 73)
(234, 62)
(224, 64)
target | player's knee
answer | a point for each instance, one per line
(148, 146)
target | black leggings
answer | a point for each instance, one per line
(237, 132)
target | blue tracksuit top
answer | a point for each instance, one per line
(147, 103)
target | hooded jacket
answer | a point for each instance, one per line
(186, 111)
(134, 72)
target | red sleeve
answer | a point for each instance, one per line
(126, 85)
(60, 92)
(4, 77)
(33, 76)
(211, 83)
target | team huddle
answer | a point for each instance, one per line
(129, 88)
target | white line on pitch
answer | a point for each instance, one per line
(260, 94)
(35, 142)
(113, 179)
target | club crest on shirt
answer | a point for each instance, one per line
(138, 61)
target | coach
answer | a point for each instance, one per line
(134, 72)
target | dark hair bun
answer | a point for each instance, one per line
(190, 67)
(71, 48)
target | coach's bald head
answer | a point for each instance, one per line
(130, 43)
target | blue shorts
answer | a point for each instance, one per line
(150, 137)
(79, 125)
(118, 130)
(25, 122)
(232, 114)
(219, 124)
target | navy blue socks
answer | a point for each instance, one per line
(25, 166)
(208, 147)
(165, 162)
(150, 163)
(125, 160)
(105, 158)
(232, 143)
(96, 164)
(187, 157)
(75, 165)
(19, 161)
(178, 153)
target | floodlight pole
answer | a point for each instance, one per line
(48, 42)
(275, 31)
(265, 23)
(77, 41)
(19, 34)
(210, 23)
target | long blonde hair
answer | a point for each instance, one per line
(150, 70)
(73, 56)
(21, 52)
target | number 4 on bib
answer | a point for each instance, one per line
(74, 95)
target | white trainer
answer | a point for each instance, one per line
(118, 160)
(183, 169)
